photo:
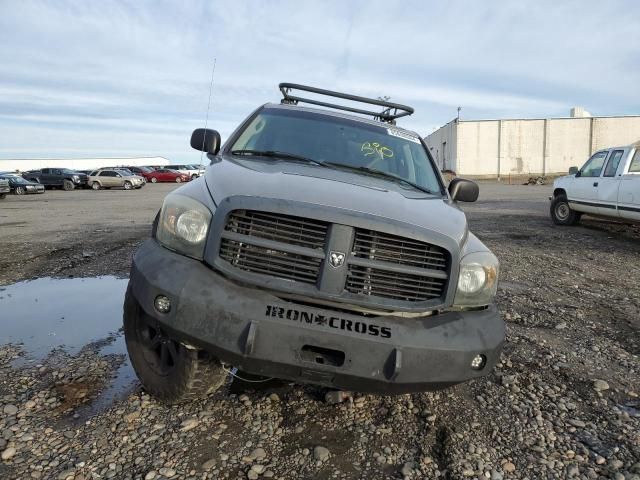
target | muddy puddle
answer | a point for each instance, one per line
(46, 314)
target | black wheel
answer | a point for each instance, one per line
(166, 368)
(3, 196)
(561, 213)
(21, 190)
(95, 186)
(127, 185)
(68, 185)
(194, 176)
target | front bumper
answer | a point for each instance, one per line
(35, 189)
(263, 334)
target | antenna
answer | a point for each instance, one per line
(206, 120)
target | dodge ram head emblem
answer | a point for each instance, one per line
(336, 259)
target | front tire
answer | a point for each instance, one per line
(167, 368)
(21, 190)
(68, 185)
(561, 212)
(178, 180)
(127, 185)
(154, 180)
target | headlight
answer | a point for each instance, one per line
(478, 280)
(183, 225)
(75, 178)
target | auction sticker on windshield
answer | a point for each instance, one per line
(402, 134)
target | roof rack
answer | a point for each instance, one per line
(391, 112)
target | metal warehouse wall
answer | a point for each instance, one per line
(77, 163)
(443, 146)
(531, 147)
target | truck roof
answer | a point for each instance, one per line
(335, 113)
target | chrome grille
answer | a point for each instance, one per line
(400, 250)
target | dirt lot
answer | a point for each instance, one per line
(562, 403)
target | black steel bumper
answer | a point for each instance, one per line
(260, 333)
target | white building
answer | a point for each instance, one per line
(23, 165)
(537, 146)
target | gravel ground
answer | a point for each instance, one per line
(562, 403)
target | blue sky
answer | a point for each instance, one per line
(88, 78)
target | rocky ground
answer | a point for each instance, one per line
(562, 403)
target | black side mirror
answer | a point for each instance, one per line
(206, 140)
(573, 170)
(462, 190)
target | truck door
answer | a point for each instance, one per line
(609, 184)
(629, 193)
(583, 194)
(44, 176)
(56, 177)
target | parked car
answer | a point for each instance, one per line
(191, 170)
(58, 177)
(21, 186)
(167, 175)
(607, 185)
(142, 171)
(128, 171)
(200, 168)
(323, 248)
(111, 178)
(4, 188)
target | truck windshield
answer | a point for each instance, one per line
(335, 140)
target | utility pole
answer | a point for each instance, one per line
(459, 108)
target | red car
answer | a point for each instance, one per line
(166, 175)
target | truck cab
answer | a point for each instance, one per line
(58, 177)
(607, 185)
(319, 247)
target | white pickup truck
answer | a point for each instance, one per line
(607, 185)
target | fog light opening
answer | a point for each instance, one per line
(478, 362)
(162, 304)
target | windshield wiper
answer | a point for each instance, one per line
(293, 156)
(382, 174)
(276, 154)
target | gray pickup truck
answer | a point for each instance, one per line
(58, 177)
(320, 247)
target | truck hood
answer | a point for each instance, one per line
(353, 192)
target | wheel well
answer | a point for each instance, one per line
(559, 191)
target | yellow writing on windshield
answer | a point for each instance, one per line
(375, 148)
